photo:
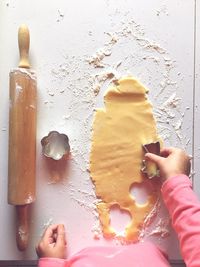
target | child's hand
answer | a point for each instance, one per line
(53, 243)
(172, 162)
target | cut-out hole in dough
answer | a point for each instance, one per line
(141, 191)
(119, 219)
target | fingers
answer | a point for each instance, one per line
(154, 158)
(53, 242)
(48, 235)
(61, 239)
(166, 151)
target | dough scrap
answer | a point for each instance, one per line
(119, 131)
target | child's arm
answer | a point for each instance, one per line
(181, 201)
(52, 248)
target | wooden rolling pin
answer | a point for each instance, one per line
(22, 139)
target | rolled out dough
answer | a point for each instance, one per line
(119, 131)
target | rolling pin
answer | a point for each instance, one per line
(22, 139)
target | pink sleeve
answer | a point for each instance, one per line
(184, 209)
(51, 262)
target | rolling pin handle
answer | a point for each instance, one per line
(24, 42)
(22, 227)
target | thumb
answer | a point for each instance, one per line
(154, 158)
(61, 239)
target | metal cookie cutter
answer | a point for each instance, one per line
(55, 145)
(149, 168)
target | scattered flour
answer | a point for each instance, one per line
(96, 70)
(47, 223)
(161, 229)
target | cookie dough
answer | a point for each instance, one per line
(119, 131)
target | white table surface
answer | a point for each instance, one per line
(154, 42)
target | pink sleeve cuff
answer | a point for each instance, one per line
(51, 262)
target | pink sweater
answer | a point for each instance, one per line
(184, 209)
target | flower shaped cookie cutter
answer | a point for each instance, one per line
(55, 145)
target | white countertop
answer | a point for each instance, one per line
(152, 40)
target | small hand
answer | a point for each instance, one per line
(53, 243)
(173, 161)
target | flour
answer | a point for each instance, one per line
(29, 72)
(29, 199)
(32, 106)
(162, 11)
(22, 234)
(47, 223)
(18, 91)
(60, 16)
(98, 79)
(149, 218)
(155, 59)
(161, 228)
(96, 59)
(96, 229)
(83, 78)
(51, 93)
